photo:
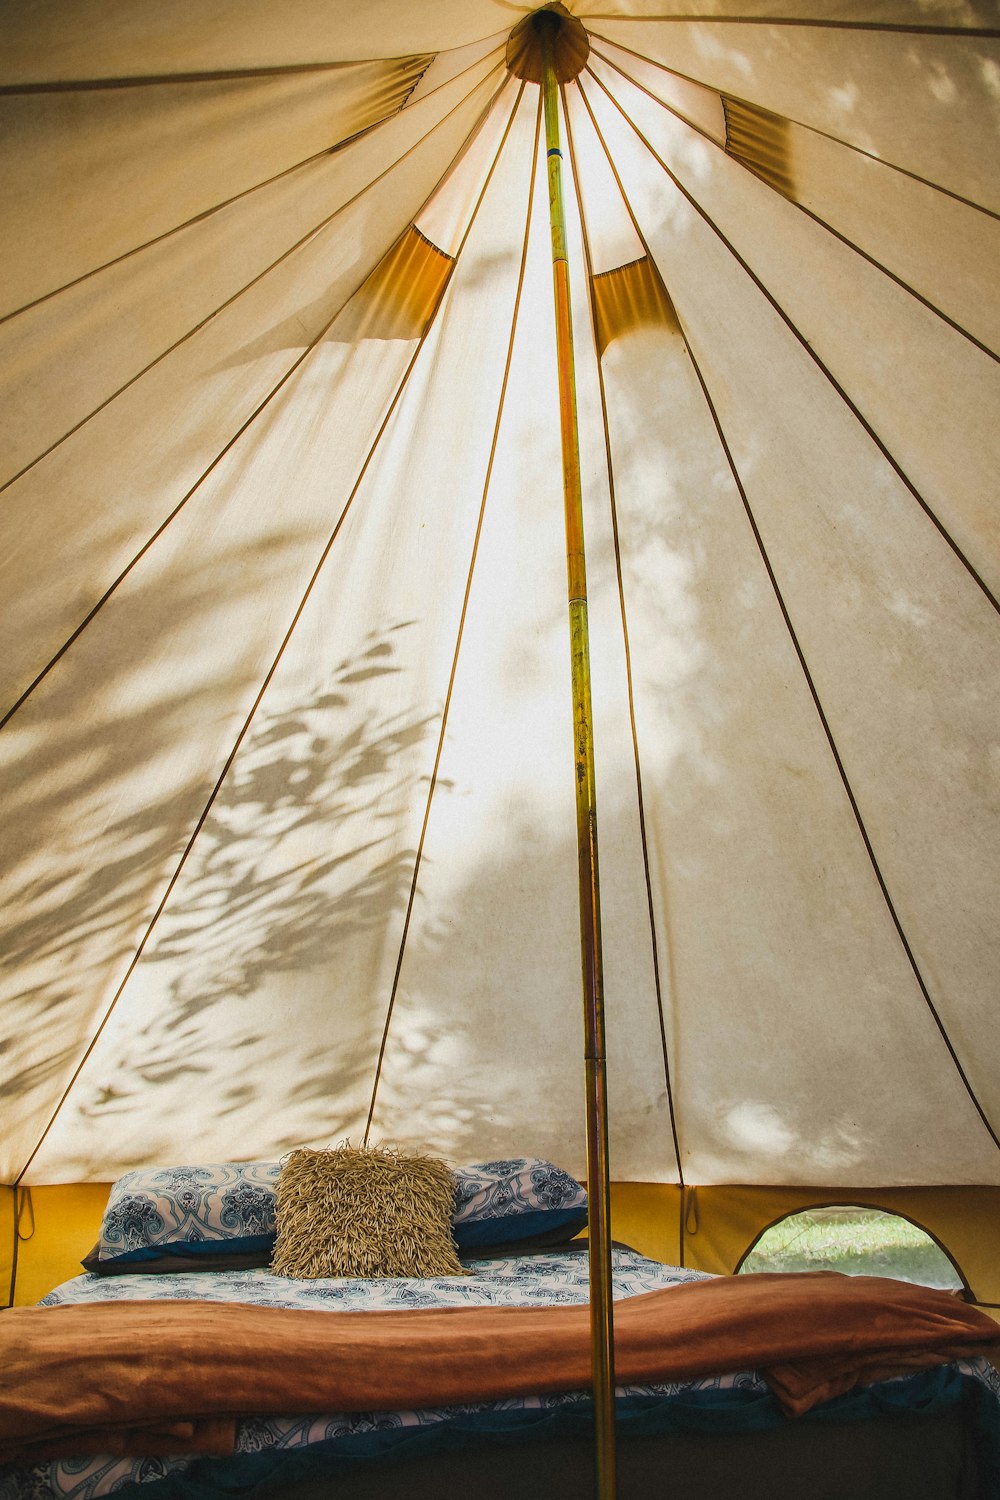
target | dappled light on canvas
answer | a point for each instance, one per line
(289, 812)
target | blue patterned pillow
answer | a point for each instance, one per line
(514, 1202)
(222, 1216)
(191, 1213)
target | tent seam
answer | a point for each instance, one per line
(462, 616)
(299, 244)
(804, 666)
(231, 443)
(654, 944)
(203, 818)
(802, 207)
(827, 135)
(307, 161)
(824, 369)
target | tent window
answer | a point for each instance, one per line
(857, 1241)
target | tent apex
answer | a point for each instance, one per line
(571, 45)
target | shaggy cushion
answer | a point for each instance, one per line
(367, 1211)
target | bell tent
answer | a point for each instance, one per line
(288, 814)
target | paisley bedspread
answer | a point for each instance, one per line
(556, 1280)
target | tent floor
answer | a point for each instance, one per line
(928, 1458)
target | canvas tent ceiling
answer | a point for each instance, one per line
(288, 827)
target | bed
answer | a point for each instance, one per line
(188, 1384)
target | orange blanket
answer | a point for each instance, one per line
(142, 1377)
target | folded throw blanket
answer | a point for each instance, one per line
(143, 1377)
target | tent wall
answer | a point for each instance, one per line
(723, 1223)
(56, 1226)
(60, 1223)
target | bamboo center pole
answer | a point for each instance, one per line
(598, 1175)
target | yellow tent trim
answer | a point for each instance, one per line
(628, 297)
(759, 140)
(721, 1225)
(398, 299)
